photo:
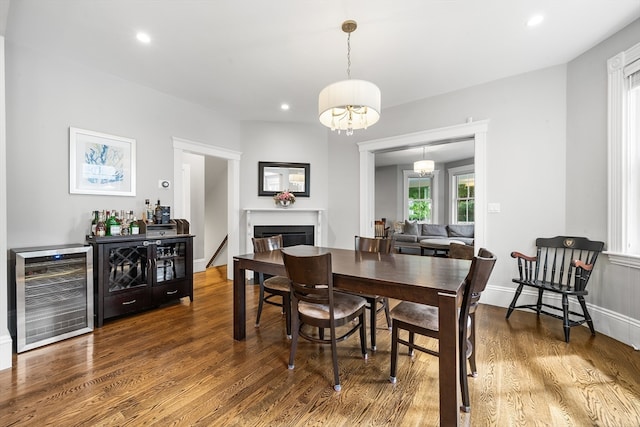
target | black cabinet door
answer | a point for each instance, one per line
(126, 267)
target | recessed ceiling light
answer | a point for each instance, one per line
(535, 20)
(284, 107)
(143, 37)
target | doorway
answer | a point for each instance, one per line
(181, 146)
(474, 130)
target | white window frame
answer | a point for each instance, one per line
(434, 193)
(453, 192)
(619, 148)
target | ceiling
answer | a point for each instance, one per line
(246, 57)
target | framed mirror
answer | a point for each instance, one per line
(274, 177)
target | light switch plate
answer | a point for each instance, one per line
(493, 207)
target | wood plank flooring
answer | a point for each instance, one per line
(179, 365)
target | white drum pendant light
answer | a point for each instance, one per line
(349, 104)
(424, 167)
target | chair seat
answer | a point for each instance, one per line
(279, 283)
(424, 316)
(343, 305)
(552, 287)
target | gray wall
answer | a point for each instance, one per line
(525, 157)
(388, 194)
(613, 287)
(46, 95)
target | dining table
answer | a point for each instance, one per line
(434, 281)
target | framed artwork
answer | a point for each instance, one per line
(101, 164)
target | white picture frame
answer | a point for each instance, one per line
(101, 164)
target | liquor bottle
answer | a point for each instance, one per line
(124, 223)
(101, 228)
(94, 223)
(113, 225)
(134, 227)
(158, 213)
(107, 223)
(149, 212)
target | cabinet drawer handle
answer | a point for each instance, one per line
(172, 292)
(129, 302)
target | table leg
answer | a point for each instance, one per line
(239, 302)
(448, 361)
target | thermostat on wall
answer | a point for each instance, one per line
(163, 183)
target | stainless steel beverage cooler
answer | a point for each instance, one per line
(52, 294)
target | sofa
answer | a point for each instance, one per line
(413, 232)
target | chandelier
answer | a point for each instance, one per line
(349, 104)
(423, 167)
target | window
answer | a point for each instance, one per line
(465, 193)
(420, 198)
(624, 158)
(462, 194)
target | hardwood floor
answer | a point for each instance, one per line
(179, 365)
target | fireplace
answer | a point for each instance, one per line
(291, 234)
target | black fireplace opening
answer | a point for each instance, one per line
(291, 235)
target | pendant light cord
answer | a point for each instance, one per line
(349, 56)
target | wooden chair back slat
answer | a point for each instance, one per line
(266, 244)
(368, 244)
(311, 277)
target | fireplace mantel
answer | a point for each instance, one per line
(284, 216)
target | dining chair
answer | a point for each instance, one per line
(316, 304)
(423, 320)
(562, 266)
(462, 251)
(275, 286)
(375, 303)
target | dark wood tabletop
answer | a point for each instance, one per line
(427, 280)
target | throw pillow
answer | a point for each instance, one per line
(411, 227)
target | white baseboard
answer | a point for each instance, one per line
(615, 325)
(199, 265)
(6, 351)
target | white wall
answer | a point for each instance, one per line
(612, 288)
(197, 227)
(6, 345)
(216, 209)
(284, 142)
